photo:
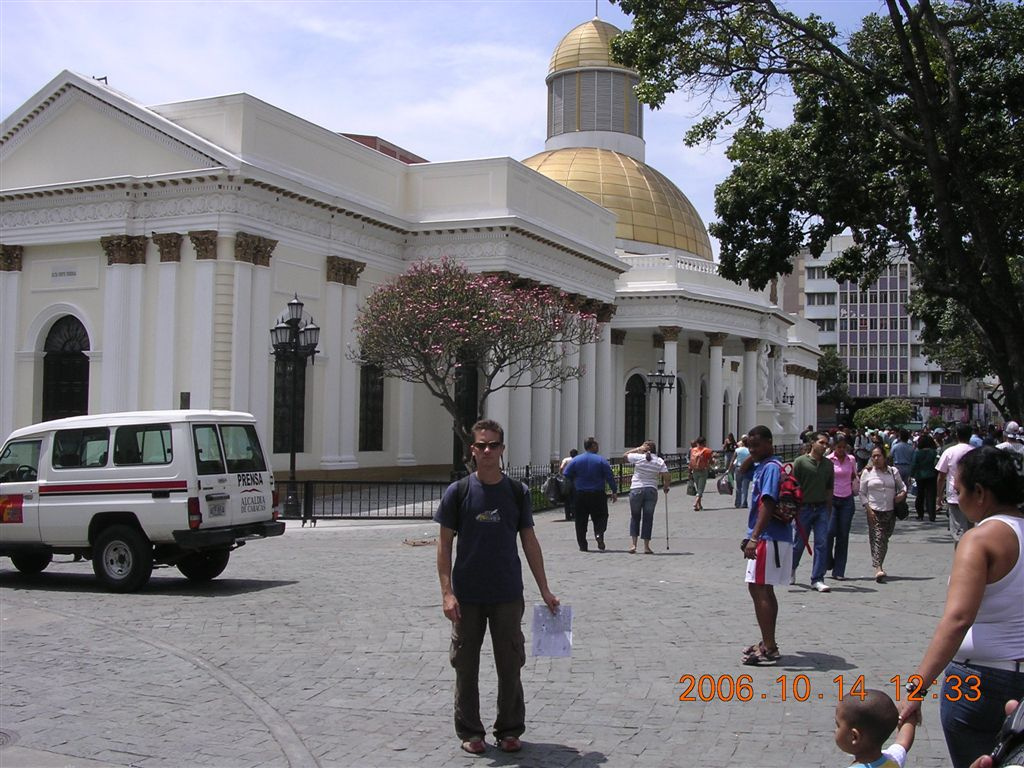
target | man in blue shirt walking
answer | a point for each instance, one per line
(590, 472)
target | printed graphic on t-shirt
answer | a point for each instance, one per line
(489, 516)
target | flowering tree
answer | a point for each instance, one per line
(438, 318)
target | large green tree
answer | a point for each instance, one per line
(431, 322)
(908, 135)
(832, 378)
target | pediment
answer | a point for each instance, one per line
(80, 131)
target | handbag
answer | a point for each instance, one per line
(724, 486)
(900, 508)
(691, 487)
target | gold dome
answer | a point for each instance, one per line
(651, 209)
(586, 46)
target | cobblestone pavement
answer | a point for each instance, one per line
(327, 647)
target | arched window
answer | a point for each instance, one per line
(371, 408)
(636, 410)
(65, 370)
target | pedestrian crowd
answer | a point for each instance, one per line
(805, 506)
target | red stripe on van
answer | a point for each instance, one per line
(145, 486)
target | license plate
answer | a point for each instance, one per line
(217, 509)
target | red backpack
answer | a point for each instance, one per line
(791, 495)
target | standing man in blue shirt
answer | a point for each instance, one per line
(768, 547)
(590, 472)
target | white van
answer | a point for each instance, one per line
(130, 490)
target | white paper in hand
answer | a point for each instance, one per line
(552, 632)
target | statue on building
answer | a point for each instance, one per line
(763, 377)
(780, 376)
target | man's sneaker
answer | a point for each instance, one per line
(821, 586)
(600, 542)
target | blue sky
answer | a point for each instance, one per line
(447, 80)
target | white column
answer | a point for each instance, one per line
(748, 413)
(557, 441)
(261, 367)
(588, 391)
(570, 437)
(669, 438)
(519, 448)
(122, 326)
(618, 394)
(204, 278)
(10, 283)
(241, 336)
(332, 345)
(497, 405)
(605, 417)
(165, 330)
(347, 272)
(542, 425)
(715, 427)
(405, 454)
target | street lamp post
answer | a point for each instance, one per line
(841, 413)
(660, 380)
(294, 340)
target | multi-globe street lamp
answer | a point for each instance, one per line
(660, 380)
(294, 340)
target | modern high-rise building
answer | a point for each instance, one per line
(878, 339)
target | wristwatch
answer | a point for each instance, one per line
(914, 688)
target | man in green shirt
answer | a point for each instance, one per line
(816, 476)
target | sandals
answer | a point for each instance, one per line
(880, 576)
(474, 746)
(510, 744)
(758, 655)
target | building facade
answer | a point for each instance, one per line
(878, 339)
(147, 251)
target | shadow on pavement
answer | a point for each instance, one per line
(817, 662)
(545, 755)
(82, 582)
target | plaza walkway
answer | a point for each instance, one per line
(327, 647)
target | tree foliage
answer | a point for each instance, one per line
(832, 377)
(908, 135)
(893, 412)
(431, 322)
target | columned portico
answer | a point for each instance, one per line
(670, 334)
(716, 430)
(748, 413)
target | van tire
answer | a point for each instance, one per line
(204, 566)
(122, 559)
(31, 563)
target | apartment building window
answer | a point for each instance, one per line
(825, 324)
(820, 299)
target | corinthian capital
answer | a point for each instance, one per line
(344, 271)
(670, 332)
(169, 245)
(124, 249)
(205, 243)
(254, 249)
(11, 257)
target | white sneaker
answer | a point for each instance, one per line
(821, 586)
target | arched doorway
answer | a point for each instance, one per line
(636, 410)
(65, 370)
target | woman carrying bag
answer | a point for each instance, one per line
(881, 489)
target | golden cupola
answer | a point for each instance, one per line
(595, 146)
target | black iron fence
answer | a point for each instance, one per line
(418, 499)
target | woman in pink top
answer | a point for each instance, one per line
(844, 490)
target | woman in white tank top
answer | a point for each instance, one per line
(979, 641)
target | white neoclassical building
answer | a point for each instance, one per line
(145, 252)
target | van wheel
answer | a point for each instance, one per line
(31, 562)
(204, 566)
(122, 559)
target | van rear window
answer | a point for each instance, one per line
(242, 448)
(209, 460)
(80, 448)
(143, 444)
